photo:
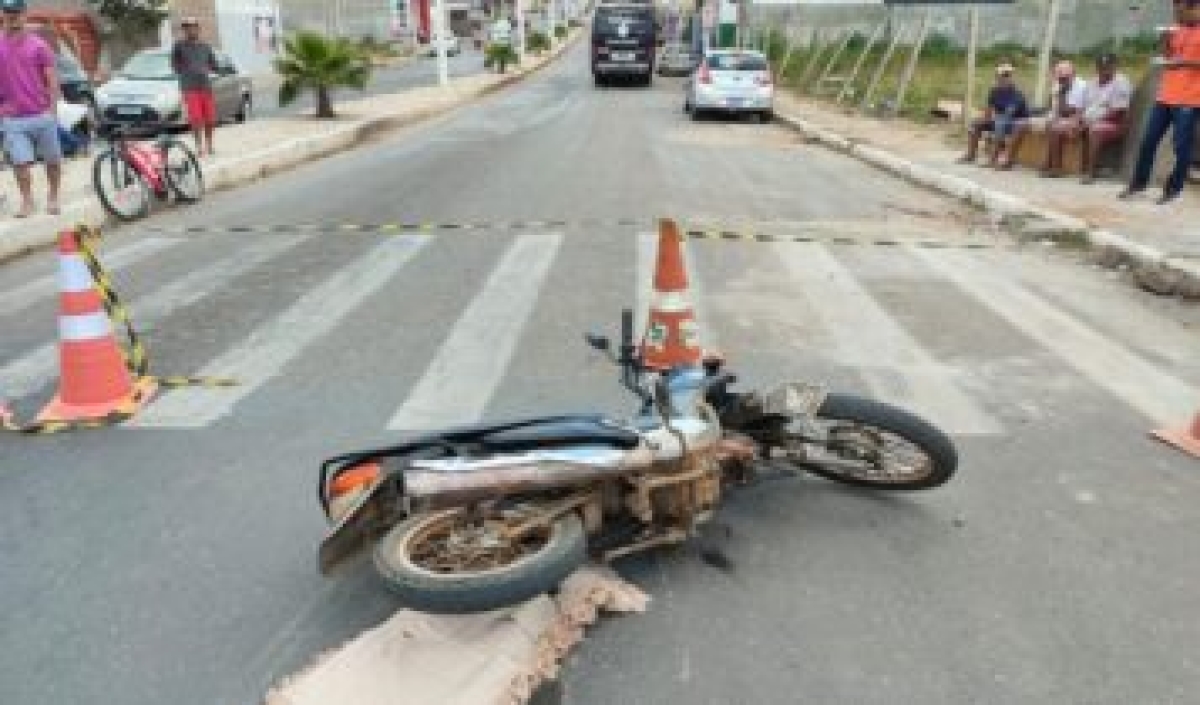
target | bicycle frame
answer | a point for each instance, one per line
(147, 159)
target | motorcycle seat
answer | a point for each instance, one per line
(556, 433)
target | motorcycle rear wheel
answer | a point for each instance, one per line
(455, 561)
(868, 443)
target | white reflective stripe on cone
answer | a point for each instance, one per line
(671, 302)
(87, 326)
(73, 274)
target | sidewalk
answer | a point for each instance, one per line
(1159, 241)
(255, 149)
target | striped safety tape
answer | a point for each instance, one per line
(694, 232)
(137, 358)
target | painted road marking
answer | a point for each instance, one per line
(27, 294)
(32, 371)
(895, 366)
(265, 353)
(1162, 397)
(463, 375)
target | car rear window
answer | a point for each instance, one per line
(608, 23)
(734, 62)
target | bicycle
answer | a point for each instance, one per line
(144, 165)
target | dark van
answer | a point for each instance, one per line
(623, 42)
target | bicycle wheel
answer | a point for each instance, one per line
(121, 189)
(182, 171)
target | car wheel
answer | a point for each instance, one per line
(243, 112)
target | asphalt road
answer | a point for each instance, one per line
(420, 71)
(173, 560)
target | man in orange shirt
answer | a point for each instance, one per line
(1178, 103)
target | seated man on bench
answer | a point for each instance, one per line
(1006, 110)
(1100, 120)
(1062, 123)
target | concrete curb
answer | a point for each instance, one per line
(18, 238)
(1152, 269)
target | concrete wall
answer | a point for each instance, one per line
(1082, 23)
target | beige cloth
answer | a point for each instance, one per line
(493, 658)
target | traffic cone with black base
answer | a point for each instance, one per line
(672, 336)
(95, 381)
(1186, 439)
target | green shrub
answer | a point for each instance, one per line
(500, 56)
(537, 42)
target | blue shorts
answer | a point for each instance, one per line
(27, 138)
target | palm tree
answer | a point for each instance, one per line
(314, 61)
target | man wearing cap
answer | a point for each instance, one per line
(1177, 105)
(29, 94)
(1005, 111)
(193, 60)
(1105, 112)
(1062, 123)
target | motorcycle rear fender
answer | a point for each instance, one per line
(374, 509)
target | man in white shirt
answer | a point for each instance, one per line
(1105, 113)
(1064, 123)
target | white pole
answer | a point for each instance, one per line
(968, 108)
(848, 86)
(519, 8)
(439, 31)
(911, 67)
(1044, 58)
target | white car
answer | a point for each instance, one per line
(732, 81)
(146, 90)
(450, 41)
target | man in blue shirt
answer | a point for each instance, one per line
(1006, 107)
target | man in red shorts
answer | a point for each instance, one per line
(193, 60)
(1105, 114)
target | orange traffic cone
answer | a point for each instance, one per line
(672, 336)
(1185, 439)
(94, 380)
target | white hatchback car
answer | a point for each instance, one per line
(733, 81)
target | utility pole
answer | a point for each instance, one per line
(519, 9)
(1044, 58)
(439, 34)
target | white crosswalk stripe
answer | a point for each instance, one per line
(460, 380)
(27, 294)
(897, 368)
(1107, 363)
(35, 369)
(264, 354)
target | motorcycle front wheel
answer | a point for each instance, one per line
(459, 561)
(867, 443)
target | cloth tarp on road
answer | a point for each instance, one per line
(492, 658)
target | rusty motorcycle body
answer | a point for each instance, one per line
(476, 518)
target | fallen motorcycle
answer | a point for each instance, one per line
(476, 518)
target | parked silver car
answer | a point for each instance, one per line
(147, 89)
(734, 81)
(676, 59)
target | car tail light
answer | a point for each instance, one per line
(703, 76)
